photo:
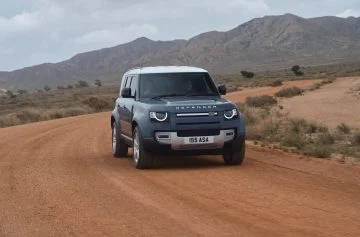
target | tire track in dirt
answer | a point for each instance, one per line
(60, 179)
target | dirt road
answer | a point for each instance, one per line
(335, 103)
(58, 178)
(240, 96)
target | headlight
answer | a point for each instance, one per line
(230, 114)
(159, 116)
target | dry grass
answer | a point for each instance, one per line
(271, 126)
(289, 92)
(261, 101)
(41, 106)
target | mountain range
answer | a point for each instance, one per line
(266, 43)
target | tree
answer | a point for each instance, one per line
(22, 91)
(47, 88)
(296, 70)
(98, 83)
(60, 88)
(82, 84)
(70, 86)
(247, 74)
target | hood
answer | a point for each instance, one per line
(190, 104)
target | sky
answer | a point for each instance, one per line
(38, 31)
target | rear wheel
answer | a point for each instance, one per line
(142, 159)
(235, 158)
(119, 147)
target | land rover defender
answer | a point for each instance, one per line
(175, 111)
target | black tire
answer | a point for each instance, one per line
(119, 147)
(142, 159)
(235, 158)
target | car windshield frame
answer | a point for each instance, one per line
(183, 84)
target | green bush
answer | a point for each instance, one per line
(289, 92)
(260, 101)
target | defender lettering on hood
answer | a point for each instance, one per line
(196, 107)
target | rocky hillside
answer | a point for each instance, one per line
(262, 43)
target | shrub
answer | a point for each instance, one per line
(82, 84)
(247, 74)
(97, 104)
(47, 88)
(56, 114)
(253, 133)
(74, 112)
(311, 128)
(29, 115)
(356, 139)
(22, 91)
(289, 92)
(260, 101)
(299, 73)
(295, 68)
(343, 128)
(293, 140)
(298, 125)
(276, 83)
(326, 139)
(98, 82)
(318, 151)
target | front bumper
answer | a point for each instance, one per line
(235, 145)
(178, 143)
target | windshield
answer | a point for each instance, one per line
(176, 84)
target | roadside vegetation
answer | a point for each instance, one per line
(47, 104)
(267, 77)
(270, 126)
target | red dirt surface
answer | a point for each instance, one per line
(59, 178)
(331, 105)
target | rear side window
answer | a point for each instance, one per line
(130, 82)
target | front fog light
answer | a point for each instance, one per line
(230, 114)
(159, 116)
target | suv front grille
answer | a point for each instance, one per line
(195, 133)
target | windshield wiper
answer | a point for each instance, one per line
(167, 95)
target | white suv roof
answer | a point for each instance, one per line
(164, 69)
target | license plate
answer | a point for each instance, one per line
(199, 140)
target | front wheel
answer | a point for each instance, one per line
(235, 158)
(119, 147)
(142, 159)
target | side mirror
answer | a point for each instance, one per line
(126, 93)
(222, 90)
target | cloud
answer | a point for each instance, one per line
(348, 13)
(19, 23)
